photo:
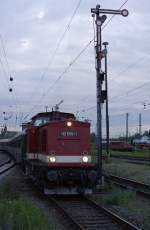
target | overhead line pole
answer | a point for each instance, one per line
(127, 126)
(140, 124)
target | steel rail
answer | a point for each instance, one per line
(66, 215)
(147, 159)
(5, 162)
(139, 188)
(7, 168)
(121, 221)
(85, 213)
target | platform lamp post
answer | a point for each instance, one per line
(106, 88)
(100, 19)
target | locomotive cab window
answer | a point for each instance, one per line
(41, 121)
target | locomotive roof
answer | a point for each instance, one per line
(54, 115)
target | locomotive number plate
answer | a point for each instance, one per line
(69, 134)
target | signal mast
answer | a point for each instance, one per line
(101, 17)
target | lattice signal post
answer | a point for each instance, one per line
(101, 94)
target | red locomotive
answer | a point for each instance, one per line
(56, 153)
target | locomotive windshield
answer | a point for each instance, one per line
(41, 121)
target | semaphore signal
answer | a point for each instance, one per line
(101, 94)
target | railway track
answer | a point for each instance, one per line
(6, 166)
(139, 188)
(5, 162)
(142, 160)
(83, 213)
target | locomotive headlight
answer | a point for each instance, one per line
(85, 159)
(52, 159)
(69, 123)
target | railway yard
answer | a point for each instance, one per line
(120, 198)
(74, 124)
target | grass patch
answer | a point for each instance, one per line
(119, 198)
(148, 216)
(20, 214)
(138, 154)
(6, 193)
(17, 213)
(126, 202)
(137, 172)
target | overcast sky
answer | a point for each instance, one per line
(29, 52)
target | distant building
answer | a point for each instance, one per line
(142, 140)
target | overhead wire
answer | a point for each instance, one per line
(7, 82)
(123, 114)
(130, 91)
(7, 72)
(5, 75)
(121, 95)
(58, 45)
(68, 67)
(59, 77)
(114, 15)
(4, 52)
(105, 25)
